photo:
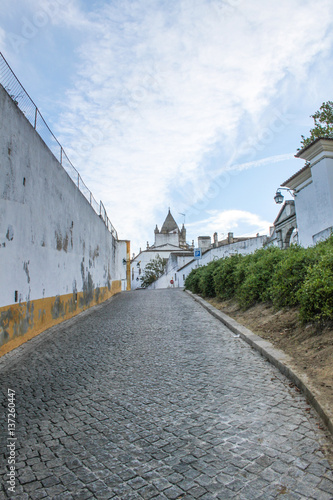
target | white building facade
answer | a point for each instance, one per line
(284, 232)
(177, 272)
(167, 241)
(313, 191)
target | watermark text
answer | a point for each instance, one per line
(11, 441)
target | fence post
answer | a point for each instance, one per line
(60, 155)
(36, 111)
(78, 181)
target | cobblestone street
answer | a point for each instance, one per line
(149, 396)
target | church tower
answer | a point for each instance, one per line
(169, 225)
(182, 237)
(170, 241)
(170, 233)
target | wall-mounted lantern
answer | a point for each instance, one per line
(278, 198)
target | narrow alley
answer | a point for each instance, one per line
(149, 396)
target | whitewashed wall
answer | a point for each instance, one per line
(51, 240)
(179, 274)
(318, 205)
(139, 263)
(314, 197)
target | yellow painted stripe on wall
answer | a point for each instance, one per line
(22, 322)
(128, 266)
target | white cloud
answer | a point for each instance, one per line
(258, 163)
(160, 84)
(2, 37)
(240, 222)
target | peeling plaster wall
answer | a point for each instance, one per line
(56, 255)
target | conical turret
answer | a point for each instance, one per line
(169, 225)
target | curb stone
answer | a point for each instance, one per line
(276, 357)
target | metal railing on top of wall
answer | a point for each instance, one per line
(20, 96)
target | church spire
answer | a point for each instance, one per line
(169, 224)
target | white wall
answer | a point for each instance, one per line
(144, 257)
(314, 203)
(313, 187)
(322, 175)
(51, 240)
(169, 238)
(139, 263)
(306, 214)
(241, 247)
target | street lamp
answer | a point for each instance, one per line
(278, 198)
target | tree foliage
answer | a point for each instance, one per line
(294, 277)
(206, 279)
(260, 271)
(192, 281)
(153, 270)
(290, 274)
(225, 279)
(323, 124)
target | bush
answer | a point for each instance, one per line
(193, 279)
(324, 246)
(296, 276)
(316, 293)
(258, 276)
(224, 277)
(243, 269)
(206, 279)
(290, 275)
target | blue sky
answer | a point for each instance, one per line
(194, 104)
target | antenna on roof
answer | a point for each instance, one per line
(183, 216)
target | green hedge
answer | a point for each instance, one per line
(225, 280)
(296, 276)
(316, 294)
(192, 280)
(256, 285)
(206, 280)
(289, 276)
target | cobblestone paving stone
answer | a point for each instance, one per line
(151, 397)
